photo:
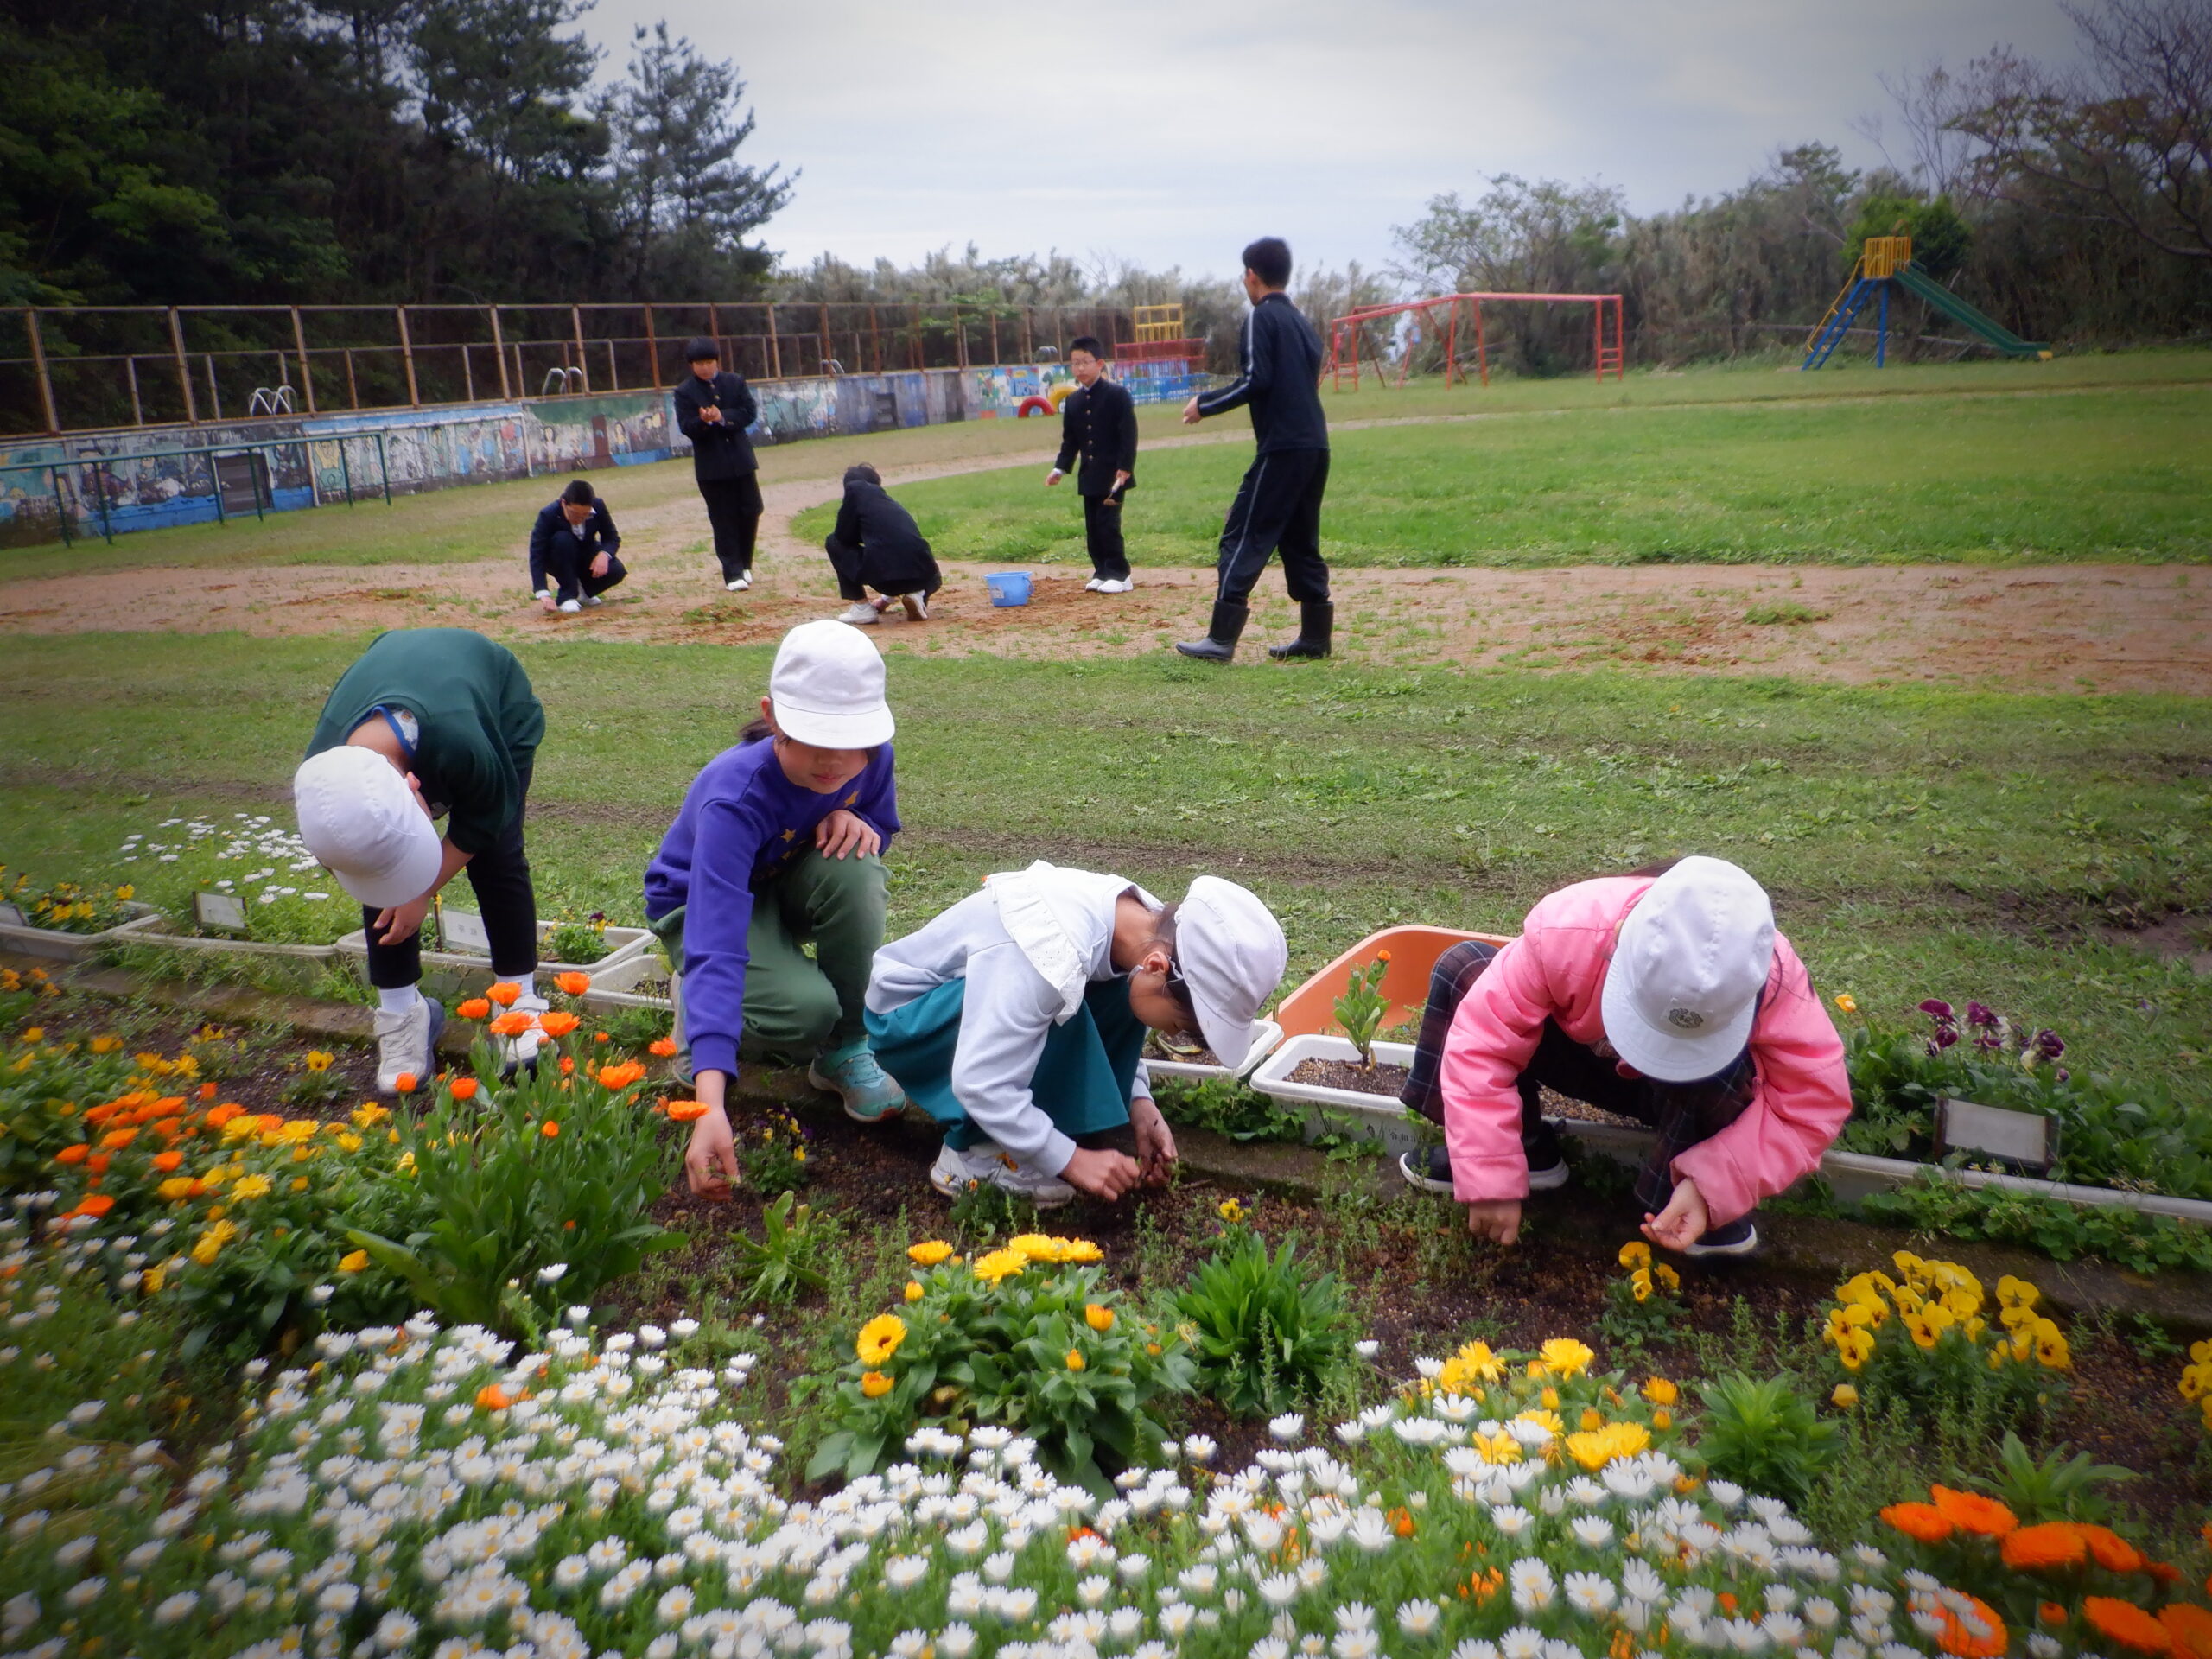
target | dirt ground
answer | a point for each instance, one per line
(2074, 627)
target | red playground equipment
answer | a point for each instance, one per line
(1349, 339)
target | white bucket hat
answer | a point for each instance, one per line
(1231, 952)
(827, 688)
(363, 823)
(1691, 958)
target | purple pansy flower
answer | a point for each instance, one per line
(1981, 1015)
(1941, 1010)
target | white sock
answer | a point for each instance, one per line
(402, 1001)
(528, 984)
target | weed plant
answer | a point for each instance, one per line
(1761, 1433)
(1269, 1329)
(792, 1257)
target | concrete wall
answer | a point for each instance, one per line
(150, 477)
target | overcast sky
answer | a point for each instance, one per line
(1172, 131)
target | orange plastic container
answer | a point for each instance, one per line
(1414, 951)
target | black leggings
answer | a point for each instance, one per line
(500, 874)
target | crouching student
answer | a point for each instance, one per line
(572, 550)
(1017, 1019)
(427, 723)
(875, 545)
(1666, 996)
(779, 845)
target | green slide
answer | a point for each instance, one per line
(1941, 299)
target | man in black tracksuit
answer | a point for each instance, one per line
(713, 410)
(572, 549)
(1099, 422)
(1278, 504)
(874, 543)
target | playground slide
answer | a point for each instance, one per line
(1975, 322)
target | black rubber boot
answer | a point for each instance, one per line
(1221, 634)
(1316, 618)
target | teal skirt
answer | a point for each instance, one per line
(1081, 1081)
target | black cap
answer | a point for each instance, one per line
(698, 348)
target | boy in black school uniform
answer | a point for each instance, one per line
(1279, 502)
(1099, 422)
(713, 410)
(875, 543)
(572, 549)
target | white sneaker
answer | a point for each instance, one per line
(569, 607)
(591, 599)
(955, 1172)
(406, 1044)
(517, 1051)
(740, 584)
(862, 615)
(1115, 585)
(918, 607)
(1091, 586)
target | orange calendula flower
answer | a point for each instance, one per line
(2038, 1548)
(663, 1046)
(1977, 1633)
(166, 1161)
(687, 1111)
(1075, 1361)
(572, 984)
(75, 1154)
(95, 1205)
(2190, 1626)
(2111, 1551)
(549, 1130)
(507, 992)
(568, 1067)
(1098, 1317)
(464, 1088)
(2124, 1623)
(1972, 1512)
(512, 1024)
(1922, 1521)
(874, 1384)
(404, 1084)
(2050, 1613)
(557, 1024)
(620, 1075)
(476, 1007)
(224, 1114)
(492, 1397)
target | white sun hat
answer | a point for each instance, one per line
(1231, 952)
(361, 820)
(1691, 958)
(827, 688)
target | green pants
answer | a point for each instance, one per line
(798, 1005)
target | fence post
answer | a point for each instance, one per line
(60, 505)
(914, 338)
(824, 325)
(499, 351)
(959, 337)
(215, 397)
(131, 373)
(775, 349)
(407, 351)
(875, 338)
(353, 390)
(183, 368)
(467, 374)
(45, 381)
(576, 326)
(653, 347)
(994, 337)
(300, 344)
(614, 369)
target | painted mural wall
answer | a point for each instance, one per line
(109, 483)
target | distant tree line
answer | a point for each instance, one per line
(258, 151)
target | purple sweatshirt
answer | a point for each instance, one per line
(743, 823)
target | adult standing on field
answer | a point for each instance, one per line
(713, 408)
(1099, 423)
(1279, 502)
(427, 723)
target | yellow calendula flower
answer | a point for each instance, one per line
(913, 1290)
(1036, 1247)
(1500, 1447)
(153, 1279)
(1567, 1358)
(210, 1243)
(1844, 1396)
(874, 1384)
(880, 1338)
(1594, 1448)
(105, 1045)
(177, 1186)
(349, 1141)
(1847, 1003)
(929, 1253)
(999, 1264)
(368, 1115)
(1075, 1361)
(1542, 1418)
(1660, 1392)
(1635, 1254)
(249, 1186)
(1098, 1318)
(354, 1263)
(1079, 1252)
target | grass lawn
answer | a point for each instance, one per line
(1917, 842)
(2097, 474)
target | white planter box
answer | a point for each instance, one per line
(1263, 1045)
(1379, 1117)
(217, 944)
(56, 945)
(624, 945)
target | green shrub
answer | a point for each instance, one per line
(789, 1257)
(1228, 1108)
(1935, 1203)
(1763, 1434)
(1267, 1330)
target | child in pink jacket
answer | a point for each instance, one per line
(1666, 996)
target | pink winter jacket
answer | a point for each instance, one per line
(1556, 970)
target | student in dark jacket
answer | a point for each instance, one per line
(572, 549)
(1099, 423)
(713, 410)
(1279, 502)
(875, 545)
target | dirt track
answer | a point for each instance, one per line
(2074, 627)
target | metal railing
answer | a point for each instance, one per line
(101, 468)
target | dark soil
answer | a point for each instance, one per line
(1155, 1050)
(1376, 1079)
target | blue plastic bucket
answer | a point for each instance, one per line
(1008, 587)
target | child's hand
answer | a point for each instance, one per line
(710, 1161)
(842, 833)
(1102, 1174)
(1683, 1222)
(1495, 1219)
(1156, 1141)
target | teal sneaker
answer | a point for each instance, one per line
(852, 1074)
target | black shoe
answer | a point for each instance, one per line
(1222, 634)
(1738, 1237)
(1430, 1170)
(1317, 621)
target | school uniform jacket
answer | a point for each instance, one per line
(717, 451)
(1556, 971)
(598, 536)
(1028, 944)
(1279, 374)
(1099, 423)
